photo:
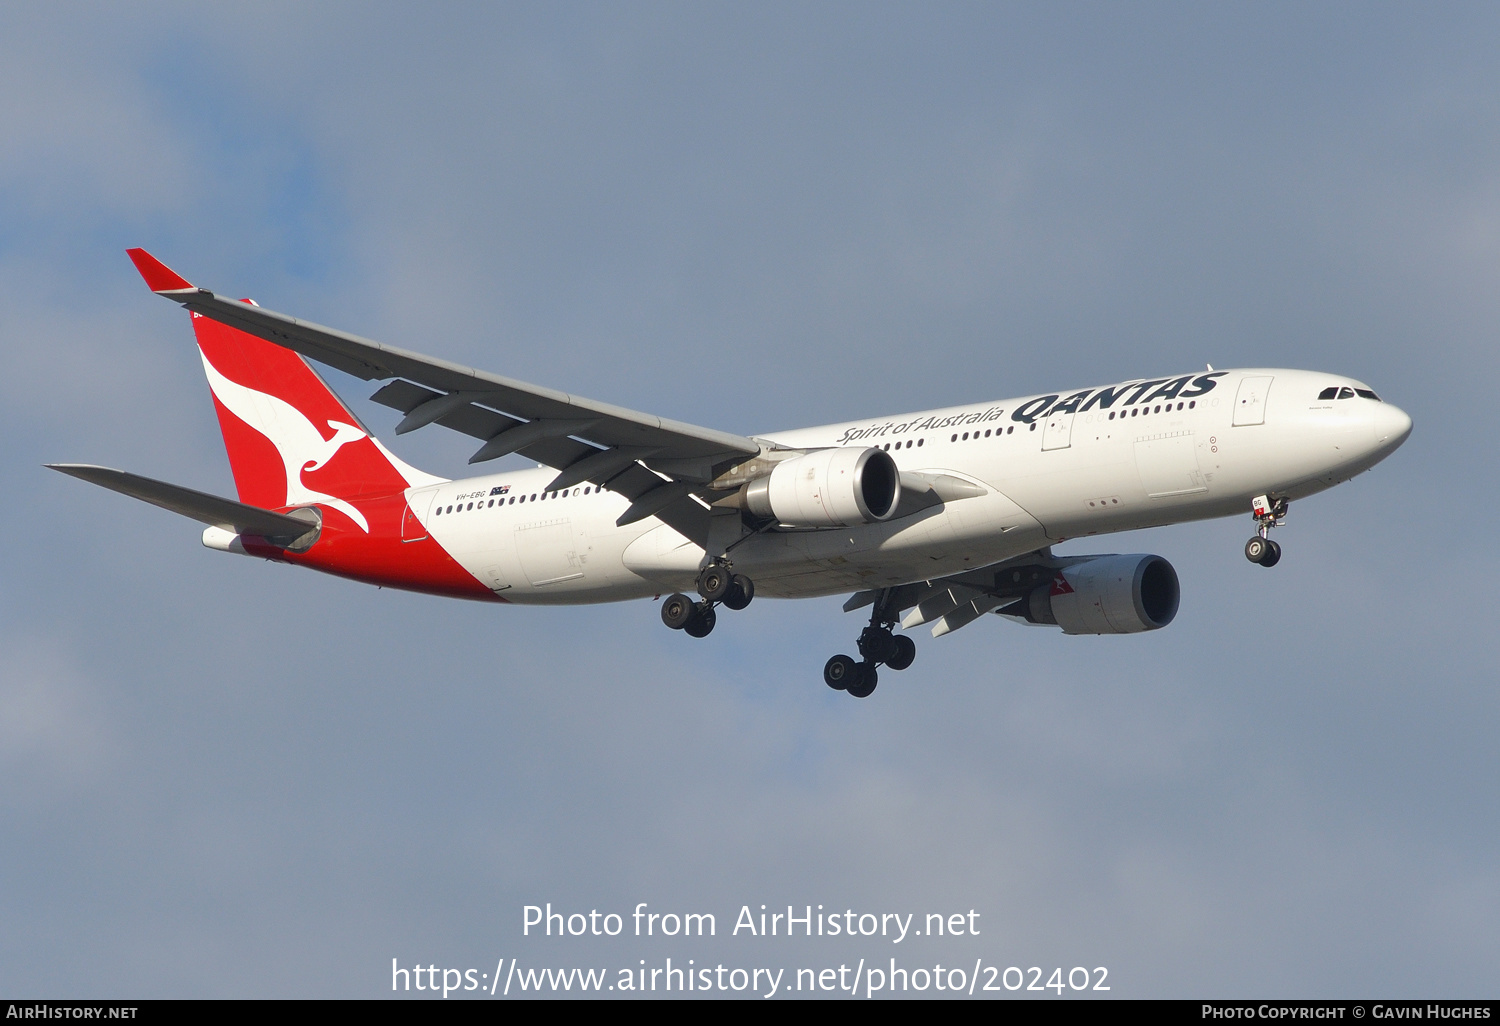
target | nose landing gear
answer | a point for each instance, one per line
(877, 645)
(717, 583)
(1268, 514)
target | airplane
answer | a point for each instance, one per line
(941, 515)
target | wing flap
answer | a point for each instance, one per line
(557, 453)
(957, 601)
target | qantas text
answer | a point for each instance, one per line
(1188, 386)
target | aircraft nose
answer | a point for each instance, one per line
(1392, 426)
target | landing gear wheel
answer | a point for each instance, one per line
(714, 582)
(677, 611)
(702, 622)
(741, 591)
(839, 672)
(877, 645)
(905, 652)
(864, 685)
(1257, 548)
(1273, 554)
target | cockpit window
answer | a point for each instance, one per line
(1337, 392)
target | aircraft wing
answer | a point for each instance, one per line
(585, 439)
(959, 600)
(200, 506)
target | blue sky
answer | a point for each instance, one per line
(224, 777)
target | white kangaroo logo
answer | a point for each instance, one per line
(301, 445)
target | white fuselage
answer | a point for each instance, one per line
(1113, 460)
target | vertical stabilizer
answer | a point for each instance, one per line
(293, 443)
(290, 439)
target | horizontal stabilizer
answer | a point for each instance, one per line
(276, 528)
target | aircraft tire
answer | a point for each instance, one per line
(905, 652)
(714, 582)
(1256, 549)
(1273, 554)
(839, 672)
(877, 645)
(864, 686)
(677, 611)
(741, 592)
(702, 623)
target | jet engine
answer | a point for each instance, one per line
(1108, 595)
(828, 488)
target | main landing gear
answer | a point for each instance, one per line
(876, 645)
(717, 584)
(1268, 514)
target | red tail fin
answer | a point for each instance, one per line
(290, 439)
(292, 442)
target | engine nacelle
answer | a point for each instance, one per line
(1108, 595)
(828, 488)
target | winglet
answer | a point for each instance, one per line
(159, 277)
